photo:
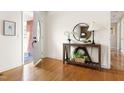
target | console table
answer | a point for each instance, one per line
(91, 64)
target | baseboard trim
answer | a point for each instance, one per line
(52, 58)
(11, 68)
(105, 67)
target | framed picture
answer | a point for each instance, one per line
(9, 28)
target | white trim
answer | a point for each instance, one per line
(37, 62)
(105, 66)
(22, 40)
(10, 68)
(122, 51)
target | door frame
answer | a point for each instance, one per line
(22, 39)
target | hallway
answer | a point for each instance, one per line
(117, 60)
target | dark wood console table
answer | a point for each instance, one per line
(66, 53)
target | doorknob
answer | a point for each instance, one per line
(33, 43)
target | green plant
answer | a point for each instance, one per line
(80, 55)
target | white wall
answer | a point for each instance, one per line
(10, 46)
(59, 22)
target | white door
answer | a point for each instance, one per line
(36, 38)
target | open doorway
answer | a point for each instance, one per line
(117, 40)
(27, 36)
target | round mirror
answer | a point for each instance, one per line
(38, 30)
(80, 32)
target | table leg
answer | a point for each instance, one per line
(99, 58)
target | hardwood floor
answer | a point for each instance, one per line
(51, 69)
(117, 59)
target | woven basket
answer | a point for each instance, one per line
(79, 60)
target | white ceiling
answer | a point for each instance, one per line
(116, 16)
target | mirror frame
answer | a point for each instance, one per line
(75, 28)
